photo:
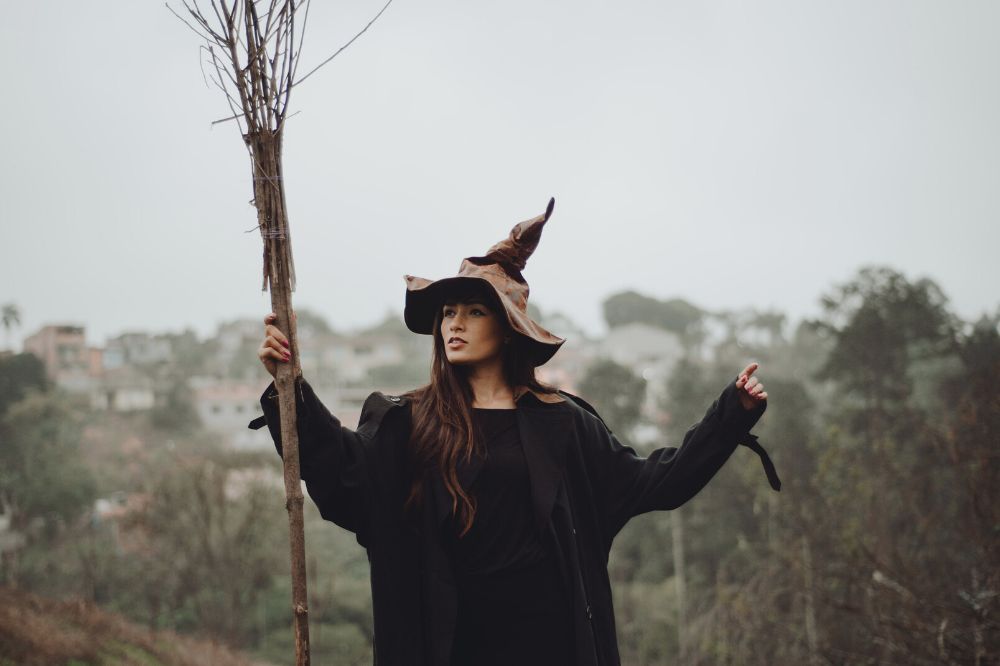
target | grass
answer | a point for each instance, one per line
(35, 631)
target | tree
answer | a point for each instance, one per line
(10, 316)
(616, 393)
(206, 546)
(883, 469)
(883, 324)
(676, 314)
(969, 447)
(19, 375)
(42, 476)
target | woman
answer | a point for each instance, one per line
(486, 500)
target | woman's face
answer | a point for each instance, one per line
(472, 332)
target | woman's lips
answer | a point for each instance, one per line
(456, 343)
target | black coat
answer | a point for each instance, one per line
(585, 485)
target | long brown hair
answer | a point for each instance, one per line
(442, 428)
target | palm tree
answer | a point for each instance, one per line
(10, 316)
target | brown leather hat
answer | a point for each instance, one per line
(501, 269)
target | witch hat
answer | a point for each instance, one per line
(500, 268)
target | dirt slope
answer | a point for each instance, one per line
(35, 630)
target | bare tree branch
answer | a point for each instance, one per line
(363, 30)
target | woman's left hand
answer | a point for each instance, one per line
(751, 391)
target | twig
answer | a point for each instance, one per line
(363, 30)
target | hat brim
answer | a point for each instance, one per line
(424, 298)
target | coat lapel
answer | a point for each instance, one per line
(545, 432)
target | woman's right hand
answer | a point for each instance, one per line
(275, 346)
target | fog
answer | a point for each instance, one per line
(733, 154)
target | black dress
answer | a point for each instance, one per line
(512, 605)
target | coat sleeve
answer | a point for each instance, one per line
(332, 458)
(628, 485)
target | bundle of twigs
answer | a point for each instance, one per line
(253, 50)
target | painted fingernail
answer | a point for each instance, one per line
(284, 342)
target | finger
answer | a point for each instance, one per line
(271, 348)
(757, 390)
(753, 381)
(270, 318)
(273, 354)
(747, 371)
(280, 346)
(275, 332)
(763, 396)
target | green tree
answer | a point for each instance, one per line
(20, 374)
(881, 469)
(675, 314)
(882, 325)
(10, 316)
(616, 393)
(209, 546)
(42, 475)
(177, 413)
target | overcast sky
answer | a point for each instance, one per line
(735, 154)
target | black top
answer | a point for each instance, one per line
(502, 536)
(512, 606)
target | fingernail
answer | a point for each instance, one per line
(284, 342)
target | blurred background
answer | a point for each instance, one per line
(810, 186)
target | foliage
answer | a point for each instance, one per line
(42, 478)
(19, 374)
(310, 323)
(208, 545)
(615, 392)
(35, 631)
(883, 325)
(880, 548)
(176, 413)
(675, 314)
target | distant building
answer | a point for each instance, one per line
(570, 363)
(226, 407)
(351, 358)
(137, 349)
(235, 335)
(68, 361)
(124, 389)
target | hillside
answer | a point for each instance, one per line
(36, 631)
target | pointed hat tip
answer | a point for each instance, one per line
(548, 209)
